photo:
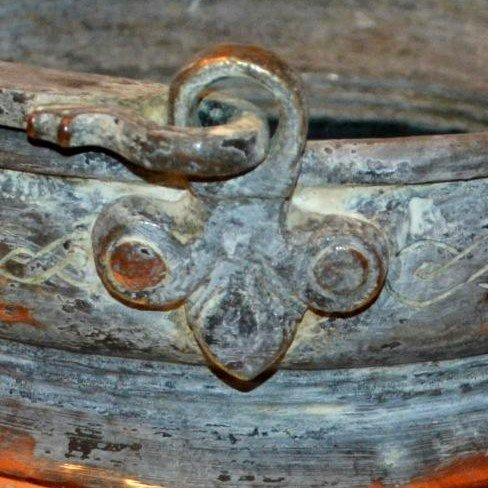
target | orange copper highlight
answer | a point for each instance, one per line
(136, 267)
(12, 313)
(468, 472)
(64, 132)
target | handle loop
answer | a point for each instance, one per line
(276, 175)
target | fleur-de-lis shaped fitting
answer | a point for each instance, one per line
(226, 252)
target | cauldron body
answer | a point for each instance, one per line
(94, 392)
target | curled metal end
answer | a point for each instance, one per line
(234, 61)
(342, 263)
(276, 175)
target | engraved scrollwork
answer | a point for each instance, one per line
(64, 258)
(428, 271)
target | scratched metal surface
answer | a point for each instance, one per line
(394, 396)
(115, 422)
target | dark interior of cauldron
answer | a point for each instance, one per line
(324, 127)
(364, 108)
(331, 128)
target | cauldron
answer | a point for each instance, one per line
(281, 281)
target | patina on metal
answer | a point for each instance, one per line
(141, 250)
(245, 279)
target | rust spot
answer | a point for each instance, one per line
(16, 452)
(64, 132)
(21, 468)
(136, 266)
(15, 314)
(342, 270)
(31, 126)
(468, 472)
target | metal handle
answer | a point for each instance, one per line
(239, 144)
(235, 140)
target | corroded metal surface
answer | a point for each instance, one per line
(244, 280)
(48, 221)
(94, 399)
(239, 303)
(97, 420)
(402, 60)
(423, 225)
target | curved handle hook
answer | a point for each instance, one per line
(239, 144)
(277, 174)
